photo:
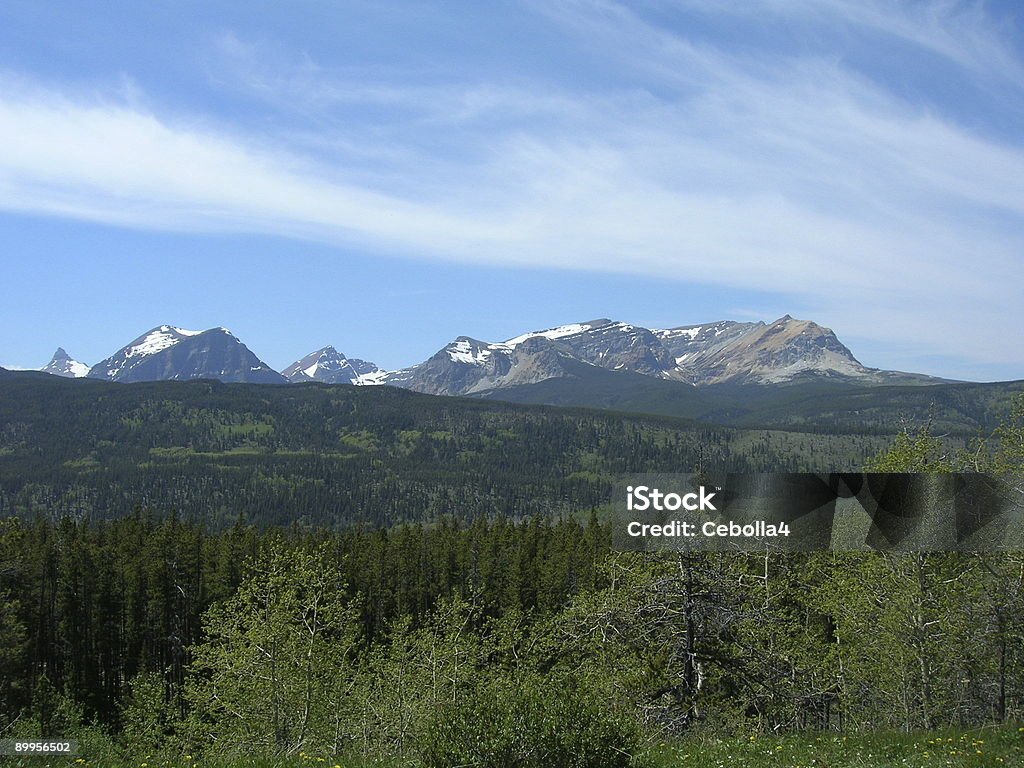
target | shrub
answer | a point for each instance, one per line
(521, 723)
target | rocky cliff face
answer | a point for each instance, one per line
(759, 352)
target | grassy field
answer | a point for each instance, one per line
(981, 748)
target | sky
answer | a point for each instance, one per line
(385, 176)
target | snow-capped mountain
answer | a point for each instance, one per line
(607, 344)
(174, 353)
(467, 366)
(330, 366)
(786, 350)
(62, 364)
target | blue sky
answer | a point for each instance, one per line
(384, 176)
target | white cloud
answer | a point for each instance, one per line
(791, 175)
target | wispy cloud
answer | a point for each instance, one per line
(790, 174)
(964, 33)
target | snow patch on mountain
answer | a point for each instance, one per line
(463, 351)
(375, 378)
(159, 339)
(676, 333)
(473, 352)
(562, 331)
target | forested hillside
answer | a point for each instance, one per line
(814, 404)
(332, 455)
(492, 626)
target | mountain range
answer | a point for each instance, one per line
(597, 351)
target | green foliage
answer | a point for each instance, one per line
(931, 615)
(1001, 452)
(55, 714)
(919, 452)
(1009, 455)
(13, 652)
(274, 672)
(146, 717)
(414, 673)
(527, 722)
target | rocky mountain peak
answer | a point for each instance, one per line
(168, 352)
(329, 366)
(62, 364)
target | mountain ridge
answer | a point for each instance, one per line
(785, 351)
